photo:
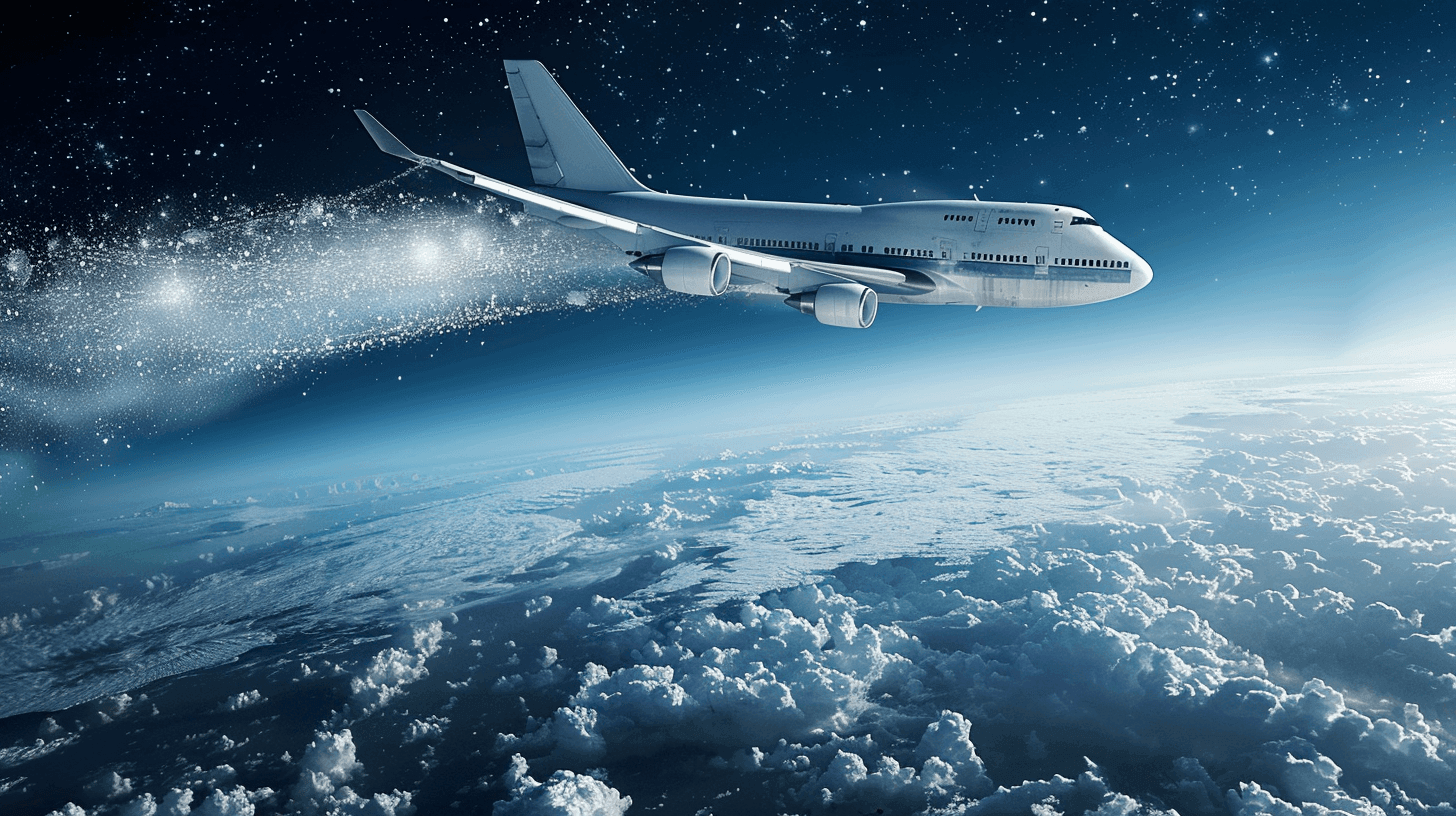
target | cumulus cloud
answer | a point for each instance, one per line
(395, 668)
(430, 728)
(327, 764)
(564, 793)
(242, 700)
(237, 801)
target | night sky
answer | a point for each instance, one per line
(1283, 169)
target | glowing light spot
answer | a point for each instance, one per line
(173, 292)
(425, 252)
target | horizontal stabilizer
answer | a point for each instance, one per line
(385, 139)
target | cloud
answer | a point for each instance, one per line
(327, 764)
(395, 668)
(242, 700)
(430, 728)
(109, 785)
(564, 793)
(1268, 629)
(237, 801)
(1280, 612)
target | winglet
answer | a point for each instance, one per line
(385, 139)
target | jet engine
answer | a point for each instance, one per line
(848, 305)
(691, 270)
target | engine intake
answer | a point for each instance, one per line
(847, 305)
(691, 270)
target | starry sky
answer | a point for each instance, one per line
(1281, 166)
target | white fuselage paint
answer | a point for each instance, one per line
(981, 253)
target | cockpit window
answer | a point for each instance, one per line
(1078, 219)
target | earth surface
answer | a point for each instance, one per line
(1224, 596)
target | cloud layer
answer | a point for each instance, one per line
(1266, 626)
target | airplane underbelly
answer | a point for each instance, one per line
(1025, 293)
(1018, 286)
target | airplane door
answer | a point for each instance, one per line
(722, 233)
(831, 241)
(1041, 260)
(982, 219)
(947, 250)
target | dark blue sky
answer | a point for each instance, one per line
(1283, 168)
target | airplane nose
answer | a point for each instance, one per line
(1142, 274)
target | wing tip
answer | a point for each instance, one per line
(383, 139)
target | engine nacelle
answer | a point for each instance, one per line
(847, 305)
(690, 270)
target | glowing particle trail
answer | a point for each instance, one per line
(133, 334)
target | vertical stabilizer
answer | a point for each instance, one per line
(564, 149)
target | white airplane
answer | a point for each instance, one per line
(836, 262)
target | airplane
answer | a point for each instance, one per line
(836, 262)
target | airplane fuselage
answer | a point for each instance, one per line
(981, 253)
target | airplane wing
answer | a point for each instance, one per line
(782, 273)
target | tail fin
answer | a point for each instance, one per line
(564, 149)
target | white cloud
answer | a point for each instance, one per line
(177, 802)
(1088, 794)
(564, 793)
(395, 668)
(144, 805)
(948, 739)
(430, 728)
(235, 802)
(109, 785)
(327, 763)
(242, 700)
